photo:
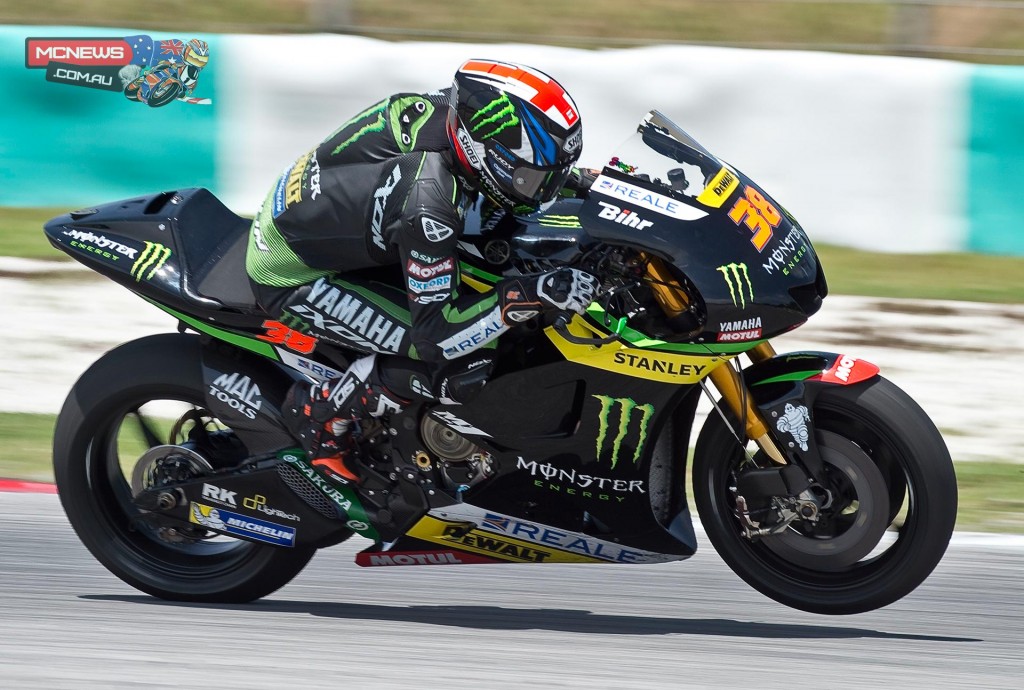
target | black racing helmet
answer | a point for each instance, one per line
(515, 130)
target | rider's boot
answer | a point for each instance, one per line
(321, 415)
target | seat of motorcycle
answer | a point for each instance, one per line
(214, 239)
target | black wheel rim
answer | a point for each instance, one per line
(902, 514)
(140, 542)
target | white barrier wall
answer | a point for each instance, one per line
(866, 151)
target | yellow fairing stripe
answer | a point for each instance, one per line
(497, 546)
(667, 367)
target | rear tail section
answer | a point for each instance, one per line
(165, 247)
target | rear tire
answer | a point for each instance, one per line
(875, 439)
(96, 494)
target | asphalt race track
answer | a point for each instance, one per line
(65, 622)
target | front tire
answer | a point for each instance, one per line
(93, 481)
(875, 440)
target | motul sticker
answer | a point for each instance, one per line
(739, 336)
(847, 370)
(420, 558)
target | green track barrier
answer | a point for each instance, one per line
(62, 144)
(995, 172)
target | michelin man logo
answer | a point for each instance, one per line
(207, 517)
(794, 420)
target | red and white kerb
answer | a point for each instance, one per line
(530, 85)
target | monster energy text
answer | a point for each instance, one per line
(152, 259)
(498, 115)
(787, 253)
(97, 244)
(554, 477)
(626, 408)
(736, 277)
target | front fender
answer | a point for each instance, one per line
(779, 376)
(784, 389)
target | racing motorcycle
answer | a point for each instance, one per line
(156, 87)
(818, 481)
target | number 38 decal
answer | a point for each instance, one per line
(758, 214)
(280, 334)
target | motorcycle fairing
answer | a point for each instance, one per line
(606, 444)
(564, 546)
(183, 249)
(245, 391)
(657, 362)
(479, 536)
(128, 241)
(748, 283)
(747, 295)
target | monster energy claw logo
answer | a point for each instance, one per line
(370, 120)
(499, 114)
(555, 221)
(153, 257)
(735, 277)
(626, 408)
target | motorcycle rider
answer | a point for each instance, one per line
(387, 192)
(133, 77)
(194, 59)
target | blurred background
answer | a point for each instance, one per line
(990, 31)
(891, 128)
(906, 110)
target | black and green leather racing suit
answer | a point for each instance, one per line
(380, 191)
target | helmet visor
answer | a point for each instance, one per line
(539, 184)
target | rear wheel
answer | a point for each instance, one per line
(142, 395)
(891, 515)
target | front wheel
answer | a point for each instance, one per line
(139, 396)
(888, 526)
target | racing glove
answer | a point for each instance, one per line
(564, 289)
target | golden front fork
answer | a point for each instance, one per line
(729, 384)
(674, 301)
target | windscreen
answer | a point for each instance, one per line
(660, 152)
